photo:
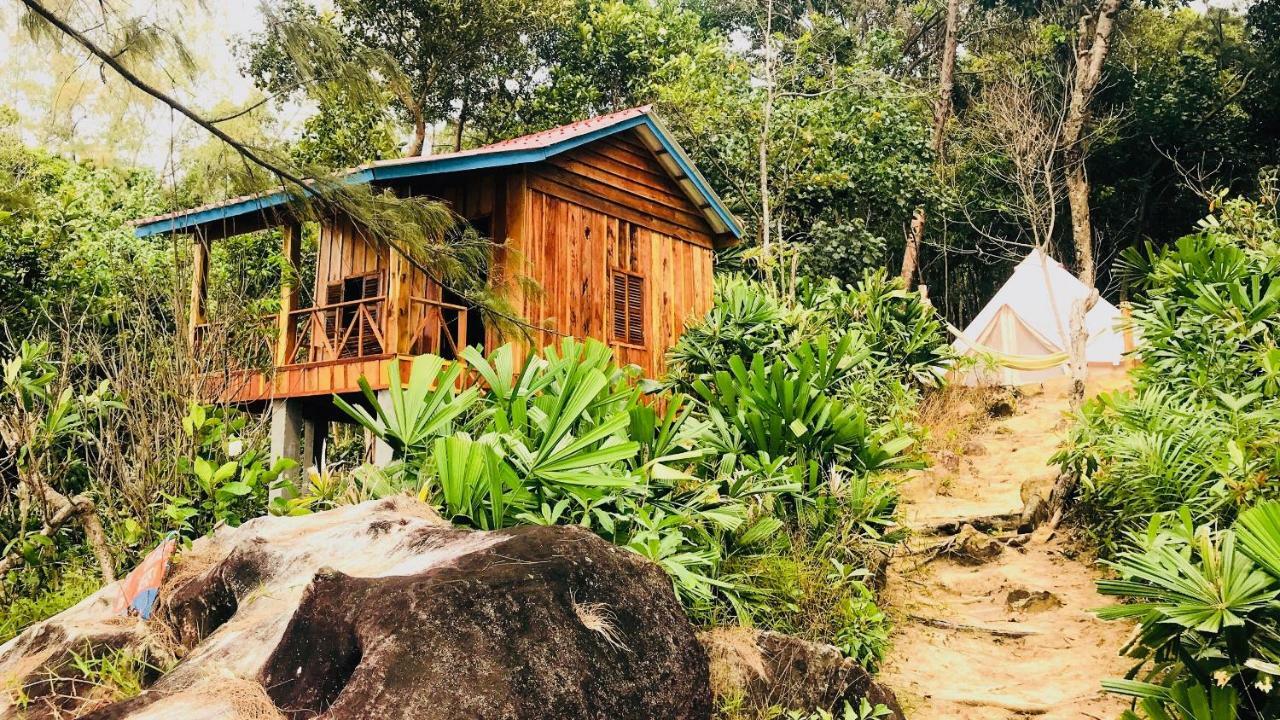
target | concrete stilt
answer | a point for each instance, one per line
(382, 454)
(286, 431)
(314, 435)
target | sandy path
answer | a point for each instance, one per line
(972, 674)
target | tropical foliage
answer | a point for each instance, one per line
(1200, 429)
(897, 333)
(1206, 600)
(64, 240)
(695, 484)
(1177, 475)
(762, 491)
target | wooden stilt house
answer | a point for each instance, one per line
(607, 216)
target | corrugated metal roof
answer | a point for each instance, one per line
(528, 148)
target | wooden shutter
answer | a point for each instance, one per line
(628, 308)
(635, 310)
(619, 306)
(332, 296)
(371, 285)
(362, 342)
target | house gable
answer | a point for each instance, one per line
(621, 177)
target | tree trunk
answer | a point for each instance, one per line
(766, 112)
(915, 235)
(462, 123)
(1078, 365)
(419, 134)
(946, 82)
(1092, 45)
(1081, 226)
(1079, 360)
(941, 115)
(58, 511)
(54, 508)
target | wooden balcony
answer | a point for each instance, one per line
(329, 347)
(438, 328)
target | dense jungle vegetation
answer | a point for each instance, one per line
(1178, 474)
(760, 471)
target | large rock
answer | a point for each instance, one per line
(971, 547)
(381, 610)
(761, 670)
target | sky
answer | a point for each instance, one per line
(71, 106)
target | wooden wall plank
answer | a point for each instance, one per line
(639, 217)
(632, 182)
(615, 194)
(574, 247)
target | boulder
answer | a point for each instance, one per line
(971, 547)
(1035, 492)
(1032, 601)
(761, 669)
(379, 610)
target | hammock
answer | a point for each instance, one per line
(1010, 360)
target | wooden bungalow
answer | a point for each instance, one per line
(607, 216)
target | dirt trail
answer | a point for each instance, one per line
(973, 673)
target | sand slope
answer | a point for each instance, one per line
(972, 673)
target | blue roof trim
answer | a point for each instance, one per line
(233, 210)
(446, 164)
(677, 153)
(182, 222)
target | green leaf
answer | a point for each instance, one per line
(237, 489)
(225, 471)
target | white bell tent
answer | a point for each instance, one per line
(1026, 327)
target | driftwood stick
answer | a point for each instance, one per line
(986, 523)
(1013, 707)
(1018, 541)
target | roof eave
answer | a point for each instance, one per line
(669, 152)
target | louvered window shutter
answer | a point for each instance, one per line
(372, 285)
(635, 310)
(619, 306)
(332, 296)
(628, 308)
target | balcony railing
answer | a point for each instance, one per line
(436, 327)
(329, 333)
(341, 331)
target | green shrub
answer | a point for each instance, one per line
(227, 479)
(564, 437)
(1200, 428)
(69, 588)
(1206, 603)
(1166, 467)
(904, 338)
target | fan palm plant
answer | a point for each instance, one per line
(1209, 616)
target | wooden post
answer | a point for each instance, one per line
(286, 330)
(199, 286)
(399, 288)
(514, 246)
(1126, 315)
